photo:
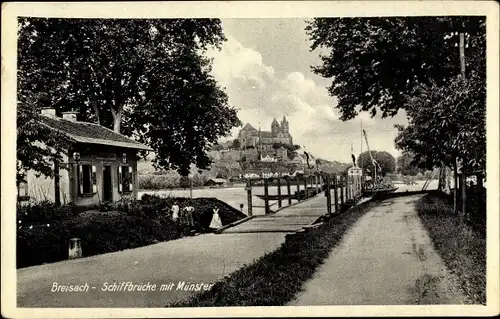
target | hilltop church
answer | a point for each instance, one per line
(249, 136)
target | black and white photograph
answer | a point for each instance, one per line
(192, 160)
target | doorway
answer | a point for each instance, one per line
(107, 188)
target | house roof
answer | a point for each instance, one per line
(218, 180)
(248, 127)
(90, 133)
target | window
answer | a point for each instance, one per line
(22, 189)
(87, 179)
(125, 181)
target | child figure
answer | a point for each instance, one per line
(188, 216)
(175, 212)
(216, 223)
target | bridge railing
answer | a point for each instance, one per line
(289, 190)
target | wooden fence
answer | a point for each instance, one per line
(346, 189)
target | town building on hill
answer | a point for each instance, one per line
(249, 136)
(268, 158)
(282, 153)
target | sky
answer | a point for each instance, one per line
(265, 68)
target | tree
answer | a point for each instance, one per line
(414, 64)
(145, 78)
(217, 147)
(407, 165)
(447, 122)
(383, 59)
(38, 147)
(236, 144)
(384, 159)
(224, 173)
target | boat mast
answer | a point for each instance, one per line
(371, 157)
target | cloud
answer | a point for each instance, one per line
(260, 94)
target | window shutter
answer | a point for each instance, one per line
(94, 179)
(130, 179)
(120, 181)
(80, 178)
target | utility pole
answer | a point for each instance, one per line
(464, 176)
(361, 149)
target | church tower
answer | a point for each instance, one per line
(275, 127)
(284, 125)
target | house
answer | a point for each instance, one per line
(100, 165)
(218, 182)
(268, 159)
(282, 153)
(299, 159)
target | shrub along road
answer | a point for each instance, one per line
(387, 258)
(200, 259)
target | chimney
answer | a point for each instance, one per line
(49, 112)
(69, 116)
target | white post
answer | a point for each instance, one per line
(75, 248)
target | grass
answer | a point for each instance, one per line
(277, 277)
(462, 248)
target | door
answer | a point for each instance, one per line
(107, 188)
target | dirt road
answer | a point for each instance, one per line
(387, 258)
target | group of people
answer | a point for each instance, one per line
(184, 218)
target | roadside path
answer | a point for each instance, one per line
(200, 259)
(386, 258)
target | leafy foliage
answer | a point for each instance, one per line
(385, 160)
(236, 144)
(37, 145)
(447, 122)
(146, 78)
(375, 63)
(411, 63)
(407, 165)
(44, 229)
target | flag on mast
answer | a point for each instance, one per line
(353, 157)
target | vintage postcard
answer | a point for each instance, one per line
(250, 158)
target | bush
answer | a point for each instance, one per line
(99, 233)
(45, 212)
(122, 226)
(434, 205)
(203, 209)
(158, 181)
(168, 181)
(462, 248)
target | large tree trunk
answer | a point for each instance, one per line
(95, 107)
(442, 178)
(57, 187)
(117, 118)
(455, 187)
